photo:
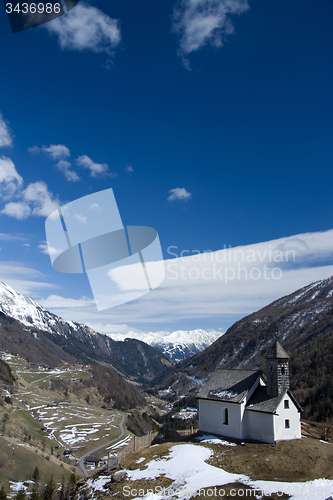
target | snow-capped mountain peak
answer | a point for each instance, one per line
(177, 345)
(45, 338)
(25, 310)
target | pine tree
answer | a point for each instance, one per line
(3, 494)
(72, 484)
(73, 479)
(49, 489)
(36, 475)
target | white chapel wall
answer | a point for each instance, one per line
(212, 416)
(258, 426)
(283, 414)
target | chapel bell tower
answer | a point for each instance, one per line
(277, 365)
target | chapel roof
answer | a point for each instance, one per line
(260, 401)
(229, 385)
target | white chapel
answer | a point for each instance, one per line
(245, 404)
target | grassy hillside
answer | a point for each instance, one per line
(18, 462)
(104, 387)
(14, 337)
(289, 461)
(46, 412)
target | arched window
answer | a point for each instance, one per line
(283, 370)
(226, 417)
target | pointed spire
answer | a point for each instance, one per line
(277, 352)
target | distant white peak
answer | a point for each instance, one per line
(168, 337)
(176, 345)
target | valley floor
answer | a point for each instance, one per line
(43, 428)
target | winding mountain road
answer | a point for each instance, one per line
(81, 460)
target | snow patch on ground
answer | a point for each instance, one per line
(19, 485)
(97, 485)
(187, 467)
(120, 444)
(208, 438)
(186, 413)
(73, 435)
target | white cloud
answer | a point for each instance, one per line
(29, 287)
(35, 199)
(201, 22)
(81, 218)
(129, 277)
(122, 330)
(179, 194)
(6, 139)
(19, 276)
(11, 269)
(96, 169)
(64, 167)
(71, 176)
(48, 250)
(54, 151)
(10, 179)
(41, 199)
(11, 237)
(129, 169)
(96, 206)
(18, 210)
(56, 302)
(191, 291)
(86, 28)
(58, 152)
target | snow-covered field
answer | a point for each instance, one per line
(186, 466)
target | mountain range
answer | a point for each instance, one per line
(301, 321)
(40, 336)
(178, 345)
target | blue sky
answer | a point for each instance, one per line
(212, 122)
